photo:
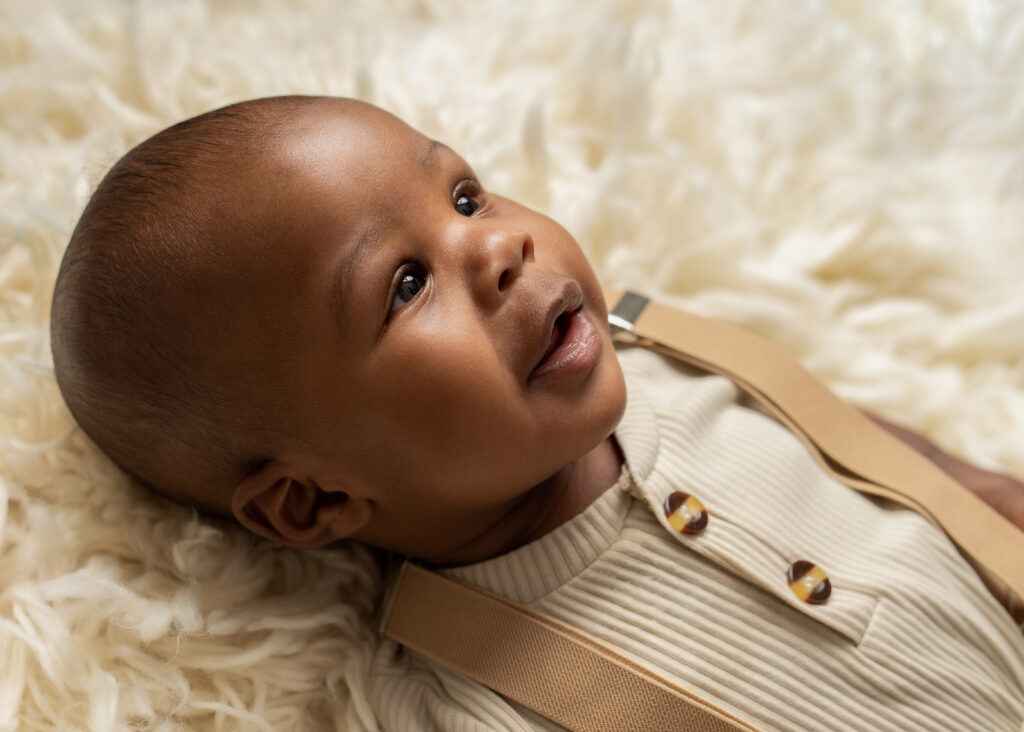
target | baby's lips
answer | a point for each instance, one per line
(567, 299)
(557, 335)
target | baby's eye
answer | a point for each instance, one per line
(410, 282)
(466, 205)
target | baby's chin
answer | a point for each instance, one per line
(606, 403)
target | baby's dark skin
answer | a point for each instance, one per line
(389, 321)
(416, 308)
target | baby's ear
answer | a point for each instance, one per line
(274, 503)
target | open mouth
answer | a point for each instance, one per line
(558, 331)
(573, 344)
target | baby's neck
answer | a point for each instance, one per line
(547, 506)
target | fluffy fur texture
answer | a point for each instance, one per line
(844, 177)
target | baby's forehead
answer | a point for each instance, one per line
(343, 130)
(350, 162)
(323, 174)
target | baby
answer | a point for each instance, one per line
(302, 313)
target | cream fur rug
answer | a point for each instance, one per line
(846, 178)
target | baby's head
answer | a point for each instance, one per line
(305, 314)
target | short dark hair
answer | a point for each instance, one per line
(138, 393)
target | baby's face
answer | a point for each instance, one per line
(439, 349)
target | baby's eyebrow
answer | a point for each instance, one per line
(429, 158)
(346, 271)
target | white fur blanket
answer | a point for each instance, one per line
(845, 177)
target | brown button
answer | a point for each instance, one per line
(809, 582)
(685, 513)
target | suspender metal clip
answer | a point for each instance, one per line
(625, 313)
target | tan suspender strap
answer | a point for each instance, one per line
(845, 441)
(559, 672)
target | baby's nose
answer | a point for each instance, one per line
(496, 262)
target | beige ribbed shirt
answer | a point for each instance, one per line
(908, 640)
